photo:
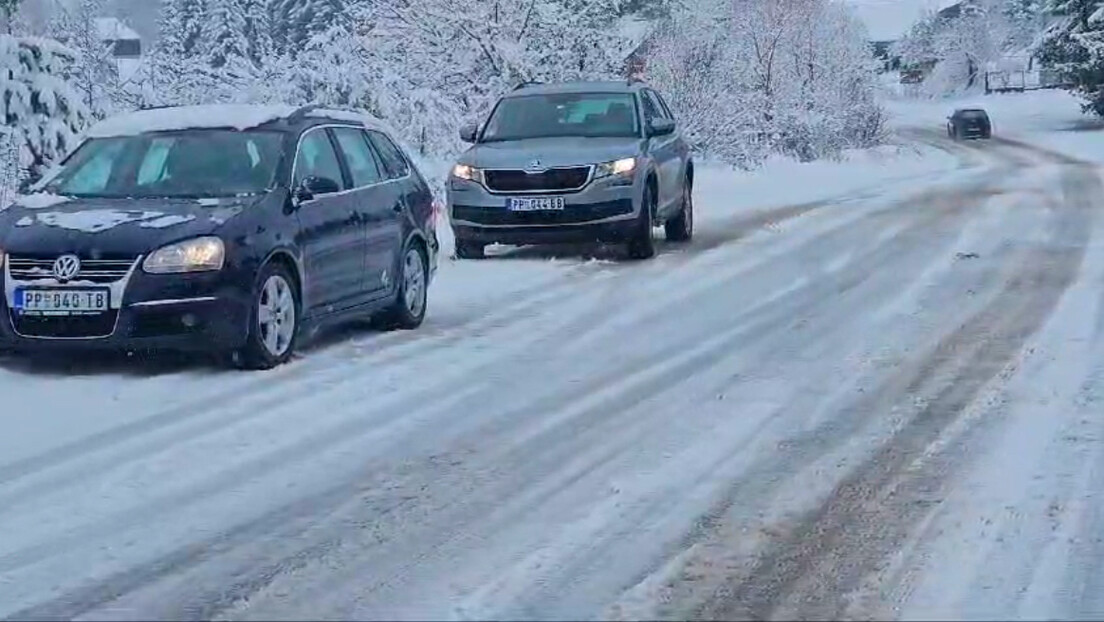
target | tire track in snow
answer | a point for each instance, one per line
(809, 570)
(769, 322)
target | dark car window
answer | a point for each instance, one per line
(393, 159)
(652, 107)
(563, 114)
(191, 163)
(663, 104)
(358, 155)
(317, 158)
(974, 115)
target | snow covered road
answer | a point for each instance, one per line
(879, 400)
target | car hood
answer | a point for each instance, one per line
(551, 152)
(43, 224)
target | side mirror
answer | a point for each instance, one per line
(661, 127)
(469, 133)
(315, 186)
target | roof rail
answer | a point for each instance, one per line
(303, 111)
(526, 84)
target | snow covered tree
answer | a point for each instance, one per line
(182, 27)
(9, 10)
(295, 22)
(224, 34)
(258, 30)
(93, 73)
(1074, 47)
(41, 111)
(752, 77)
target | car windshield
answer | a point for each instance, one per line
(973, 114)
(574, 114)
(184, 164)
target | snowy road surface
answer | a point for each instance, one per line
(880, 402)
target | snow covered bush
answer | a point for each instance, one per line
(1074, 47)
(752, 77)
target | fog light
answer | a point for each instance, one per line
(189, 320)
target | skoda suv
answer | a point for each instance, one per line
(573, 162)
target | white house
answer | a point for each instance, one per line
(126, 44)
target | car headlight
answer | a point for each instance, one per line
(197, 255)
(469, 173)
(623, 167)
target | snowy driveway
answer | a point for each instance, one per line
(882, 404)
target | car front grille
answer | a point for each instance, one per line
(92, 270)
(552, 180)
(570, 215)
(65, 327)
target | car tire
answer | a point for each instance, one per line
(408, 310)
(642, 245)
(467, 249)
(274, 320)
(681, 227)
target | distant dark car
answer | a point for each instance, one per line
(220, 228)
(969, 123)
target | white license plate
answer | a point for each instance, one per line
(62, 301)
(535, 204)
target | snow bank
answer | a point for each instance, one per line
(721, 191)
(238, 116)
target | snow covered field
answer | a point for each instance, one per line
(869, 388)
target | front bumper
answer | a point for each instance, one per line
(602, 211)
(186, 312)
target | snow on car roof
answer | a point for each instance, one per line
(237, 116)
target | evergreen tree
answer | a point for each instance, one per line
(258, 29)
(182, 26)
(39, 108)
(295, 22)
(1074, 47)
(225, 32)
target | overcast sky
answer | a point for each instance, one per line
(889, 19)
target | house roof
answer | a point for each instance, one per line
(113, 29)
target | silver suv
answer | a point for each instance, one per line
(573, 162)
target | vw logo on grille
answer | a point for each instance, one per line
(66, 267)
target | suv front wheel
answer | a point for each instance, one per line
(642, 244)
(681, 227)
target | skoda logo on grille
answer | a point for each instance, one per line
(66, 267)
(535, 166)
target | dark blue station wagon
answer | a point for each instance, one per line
(231, 229)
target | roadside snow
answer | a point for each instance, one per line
(94, 221)
(238, 116)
